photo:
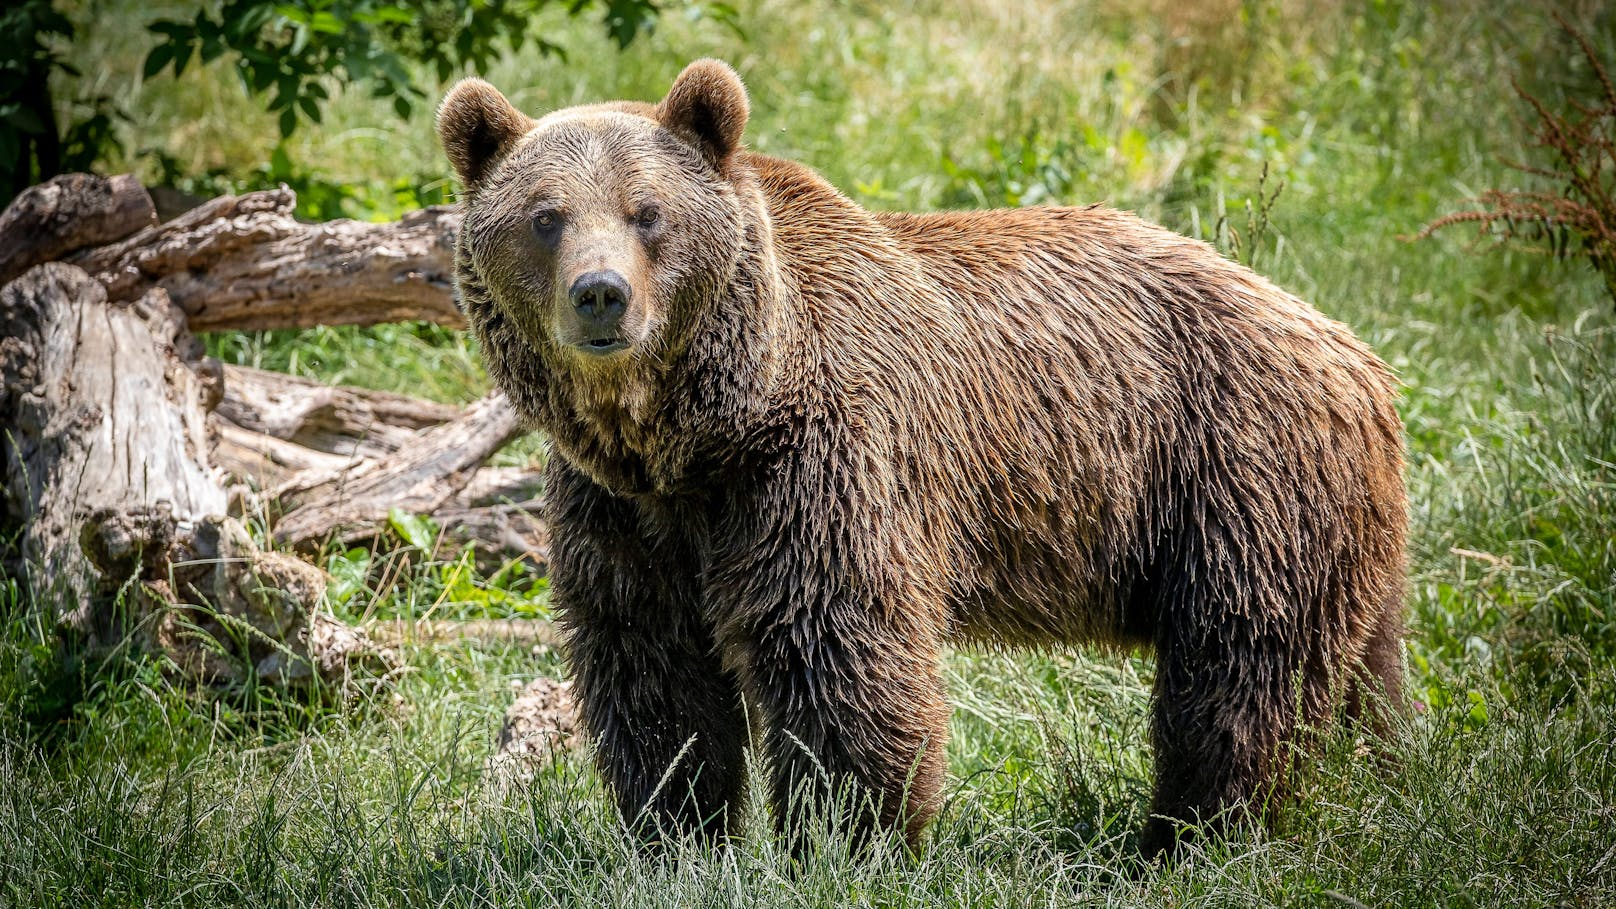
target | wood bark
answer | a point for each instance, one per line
(435, 466)
(498, 533)
(105, 407)
(338, 420)
(122, 440)
(110, 490)
(66, 214)
(530, 632)
(244, 262)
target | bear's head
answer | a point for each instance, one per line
(599, 231)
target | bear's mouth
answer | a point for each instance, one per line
(602, 346)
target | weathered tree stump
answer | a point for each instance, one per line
(106, 408)
(125, 451)
(110, 487)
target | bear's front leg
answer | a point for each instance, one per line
(666, 718)
(840, 651)
(855, 718)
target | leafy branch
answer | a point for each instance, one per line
(284, 49)
(1579, 218)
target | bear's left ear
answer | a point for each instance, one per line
(477, 126)
(707, 104)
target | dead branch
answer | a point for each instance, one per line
(66, 214)
(420, 478)
(336, 419)
(244, 262)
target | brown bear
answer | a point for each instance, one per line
(798, 448)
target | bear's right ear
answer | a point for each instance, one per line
(476, 126)
(707, 104)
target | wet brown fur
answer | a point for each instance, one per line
(844, 439)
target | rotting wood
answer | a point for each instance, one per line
(498, 533)
(68, 213)
(265, 461)
(110, 490)
(335, 419)
(245, 262)
(105, 409)
(428, 472)
(531, 632)
(157, 439)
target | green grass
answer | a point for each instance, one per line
(118, 788)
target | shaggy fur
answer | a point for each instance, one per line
(840, 440)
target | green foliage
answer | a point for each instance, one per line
(290, 54)
(32, 146)
(415, 530)
(319, 197)
(291, 48)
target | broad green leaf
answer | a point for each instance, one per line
(413, 529)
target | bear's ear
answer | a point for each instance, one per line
(708, 106)
(476, 126)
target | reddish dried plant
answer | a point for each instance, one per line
(1579, 219)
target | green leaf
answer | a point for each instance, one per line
(288, 122)
(310, 107)
(349, 571)
(259, 76)
(394, 14)
(414, 529)
(182, 56)
(280, 163)
(174, 31)
(25, 120)
(327, 23)
(159, 57)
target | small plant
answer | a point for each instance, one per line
(1259, 211)
(1579, 217)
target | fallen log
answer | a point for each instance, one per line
(68, 213)
(420, 478)
(498, 533)
(107, 385)
(338, 420)
(501, 486)
(527, 632)
(245, 263)
(110, 491)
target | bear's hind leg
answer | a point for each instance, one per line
(1376, 692)
(1225, 704)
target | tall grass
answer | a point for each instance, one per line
(1376, 117)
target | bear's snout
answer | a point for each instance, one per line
(599, 300)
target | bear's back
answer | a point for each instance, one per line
(1071, 387)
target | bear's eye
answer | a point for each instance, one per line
(546, 220)
(648, 216)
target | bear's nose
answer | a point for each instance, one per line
(601, 298)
